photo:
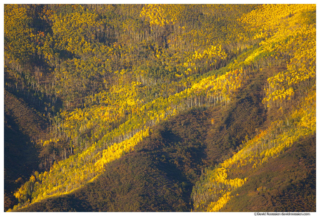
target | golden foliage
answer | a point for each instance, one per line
(161, 14)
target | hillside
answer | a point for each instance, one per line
(160, 108)
(22, 126)
(159, 174)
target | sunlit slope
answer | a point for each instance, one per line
(114, 77)
(158, 175)
(117, 82)
(215, 191)
(287, 31)
(69, 174)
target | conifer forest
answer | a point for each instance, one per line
(126, 108)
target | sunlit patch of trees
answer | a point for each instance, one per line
(286, 32)
(102, 75)
(270, 143)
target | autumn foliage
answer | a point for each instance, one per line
(102, 76)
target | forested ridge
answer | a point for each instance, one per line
(160, 107)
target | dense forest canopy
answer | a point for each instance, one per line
(96, 80)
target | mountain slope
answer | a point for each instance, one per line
(284, 184)
(22, 127)
(160, 173)
(159, 107)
